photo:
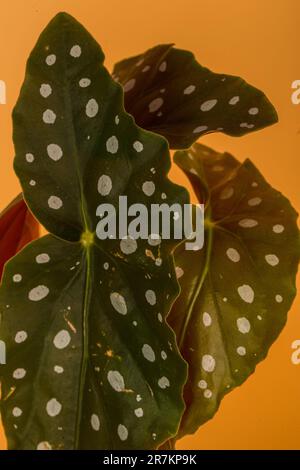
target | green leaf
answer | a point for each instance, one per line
(17, 228)
(92, 363)
(168, 92)
(237, 290)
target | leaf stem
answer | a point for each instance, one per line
(85, 336)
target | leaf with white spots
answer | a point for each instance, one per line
(17, 228)
(83, 318)
(237, 290)
(170, 93)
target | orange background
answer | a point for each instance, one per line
(255, 39)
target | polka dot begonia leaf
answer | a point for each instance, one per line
(239, 287)
(163, 88)
(91, 361)
(169, 92)
(17, 228)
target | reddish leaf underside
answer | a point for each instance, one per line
(17, 228)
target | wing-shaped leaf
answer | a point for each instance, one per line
(237, 290)
(169, 92)
(92, 363)
(17, 228)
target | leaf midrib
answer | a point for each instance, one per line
(87, 288)
(197, 291)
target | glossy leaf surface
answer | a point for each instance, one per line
(92, 363)
(237, 290)
(169, 92)
(17, 228)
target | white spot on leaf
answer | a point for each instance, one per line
(241, 350)
(246, 293)
(21, 336)
(227, 193)
(128, 245)
(233, 101)
(189, 89)
(248, 223)
(54, 202)
(84, 82)
(29, 157)
(148, 353)
(139, 412)
(19, 374)
(75, 51)
(199, 129)
(243, 325)
(95, 422)
(148, 188)
(116, 380)
(163, 382)
(38, 293)
(208, 105)
(49, 117)
(112, 144)
(246, 125)
(163, 66)
(62, 339)
(155, 105)
(138, 146)
(150, 297)
(17, 412)
(129, 85)
(278, 228)
(53, 407)
(54, 152)
(233, 255)
(202, 384)
(206, 318)
(92, 108)
(118, 302)
(42, 258)
(179, 272)
(154, 239)
(207, 393)
(272, 259)
(51, 59)
(44, 446)
(208, 363)
(122, 432)
(45, 90)
(104, 185)
(255, 201)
